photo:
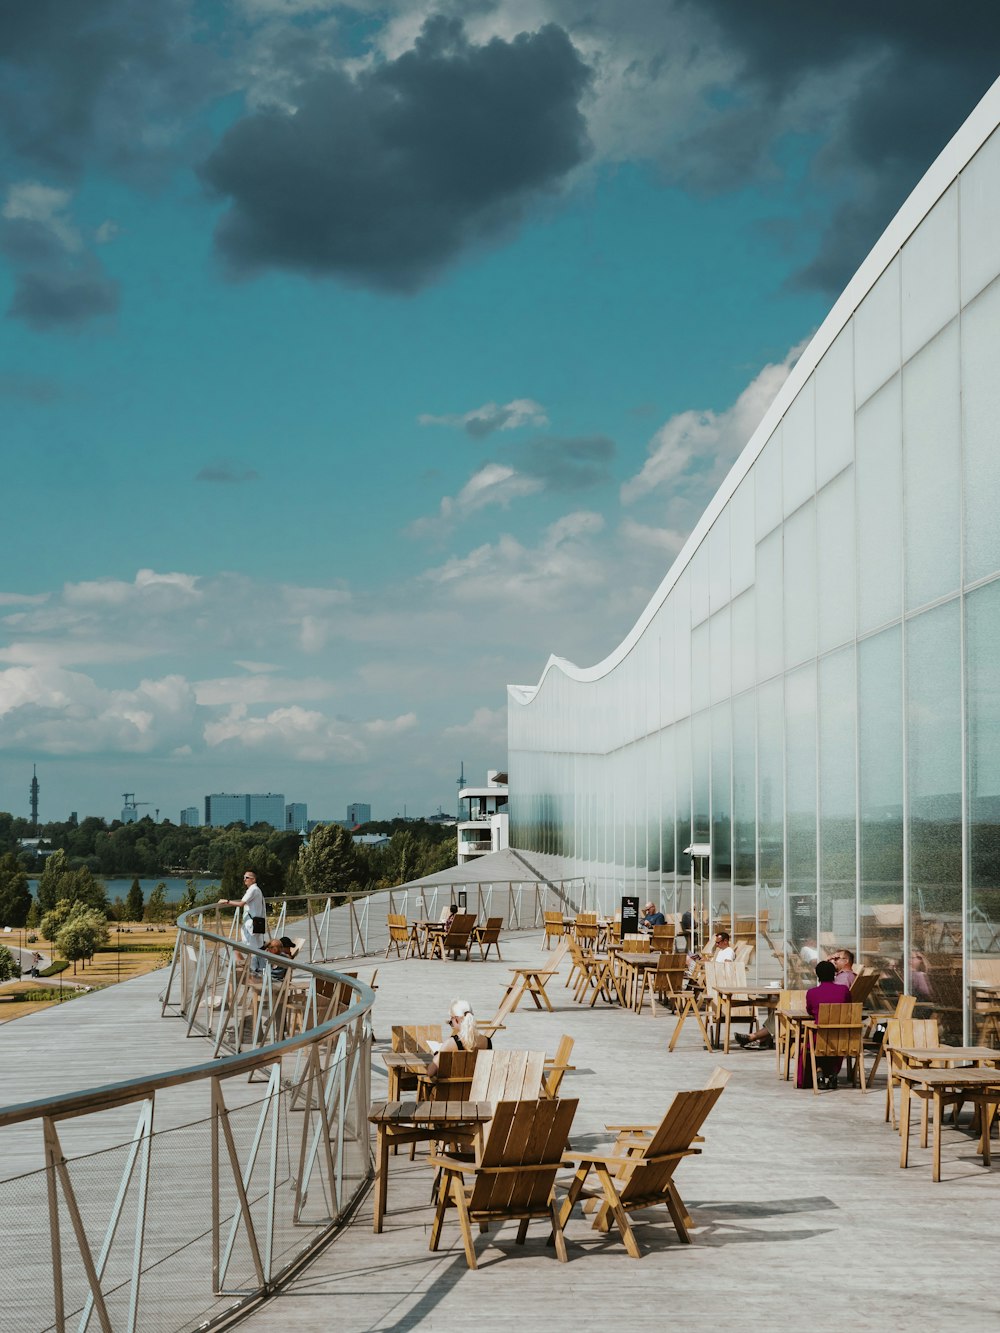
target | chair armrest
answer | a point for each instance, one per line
(620, 1129)
(452, 1163)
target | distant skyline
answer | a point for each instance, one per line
(354, 358)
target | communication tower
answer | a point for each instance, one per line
(33, 790)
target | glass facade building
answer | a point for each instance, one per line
(813, 693)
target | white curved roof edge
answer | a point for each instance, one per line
(957, 153)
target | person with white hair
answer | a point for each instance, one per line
(464, 1034)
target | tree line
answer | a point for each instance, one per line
(285, 864)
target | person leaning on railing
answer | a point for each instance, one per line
(254, 917)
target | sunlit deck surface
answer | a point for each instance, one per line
(799, 1202)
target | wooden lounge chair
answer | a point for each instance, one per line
(457, 937)
(661, 939)
(531, 980)
(664, 983)
(507, 1075)
(903, 1034)
(585, 929)
(515, 1177)
(453, 1081)
(400, 937)
(837, 1032)
(555, 928)
(864, 983)
(488, 936)
(557, 1067)
(639, 1172)
(875, 1028)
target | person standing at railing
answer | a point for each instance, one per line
(254, 917)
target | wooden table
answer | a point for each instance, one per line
(796, 1019)
(632, 964)
(760, 997)
(421, 932)
(416, 1122)
(947, 1087)
(399, 1063)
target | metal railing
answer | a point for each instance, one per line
(170, 1202)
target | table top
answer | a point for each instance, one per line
(984, 1054)
(759, 993)
(416, 1061)
(951, 1078)
(430, 925)
(429, 1113)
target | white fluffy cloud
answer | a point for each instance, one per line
(483, 421)
(492, 484)
(700, 446)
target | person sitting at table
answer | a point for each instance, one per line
(464, 1034)
(843, 962)
(651, 916)
(279, 948)
(827, 991)
(724, 951)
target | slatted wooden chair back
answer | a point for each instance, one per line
(635, 944)
(453, 1082)
(557, 1067)
(333, 997)
(586, 927)
(662, 939)
(458, 936)
(507, 1075)
(399, 934)
(488, 936)
(648, 1175)
(554, 928)
(531, 1134)
(744, 954)
(839, 1031)
(415, 1037)
(864, 984)
(985, 970)
(554, 963)
(905, 1005)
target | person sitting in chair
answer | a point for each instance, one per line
(464, 1034)
(651, 916)
(827, 991)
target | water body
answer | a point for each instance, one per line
(175, 890)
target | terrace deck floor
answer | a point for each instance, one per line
(799, 1202)
(801, 1210)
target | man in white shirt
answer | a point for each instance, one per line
(724, 951)
(254, 913)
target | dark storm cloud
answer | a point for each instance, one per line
(80, 79)
(63, 298)
(226, 471)
(385, 178)
(566, 464)
(911, 72)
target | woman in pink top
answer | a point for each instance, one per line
(827, 991)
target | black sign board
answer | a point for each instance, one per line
(630, 916)
(462, 900)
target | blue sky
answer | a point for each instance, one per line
(357, 357)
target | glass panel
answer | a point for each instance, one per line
(798, 452)
(835, 549)
(771, 782)
(682, 759)
(879, 498)
(981, 424)
(800, 585)
(718, 562)
(880, 746)
(876, 335)
(741, 536)
(682, 648)
(837, 799)
(744, 789)
(800, 803)
(721, 656)
(983, 671)
(665, 629)
(931, 469)
(700, 663)
(665, 747)
(699, 584)
(930, 274)
(979, 185)
(770, 627)
(721, 864)
(835, 408)
(934, 773)
(744, 644)
(701, 748)
(767, 486)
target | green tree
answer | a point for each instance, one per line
(34, 915)
(157, 908)
(189, 898)
(15, 895)
(83, 933)
(54, 920)
(134, 902)
(50, 880)
(9, 970)
(329, 862)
